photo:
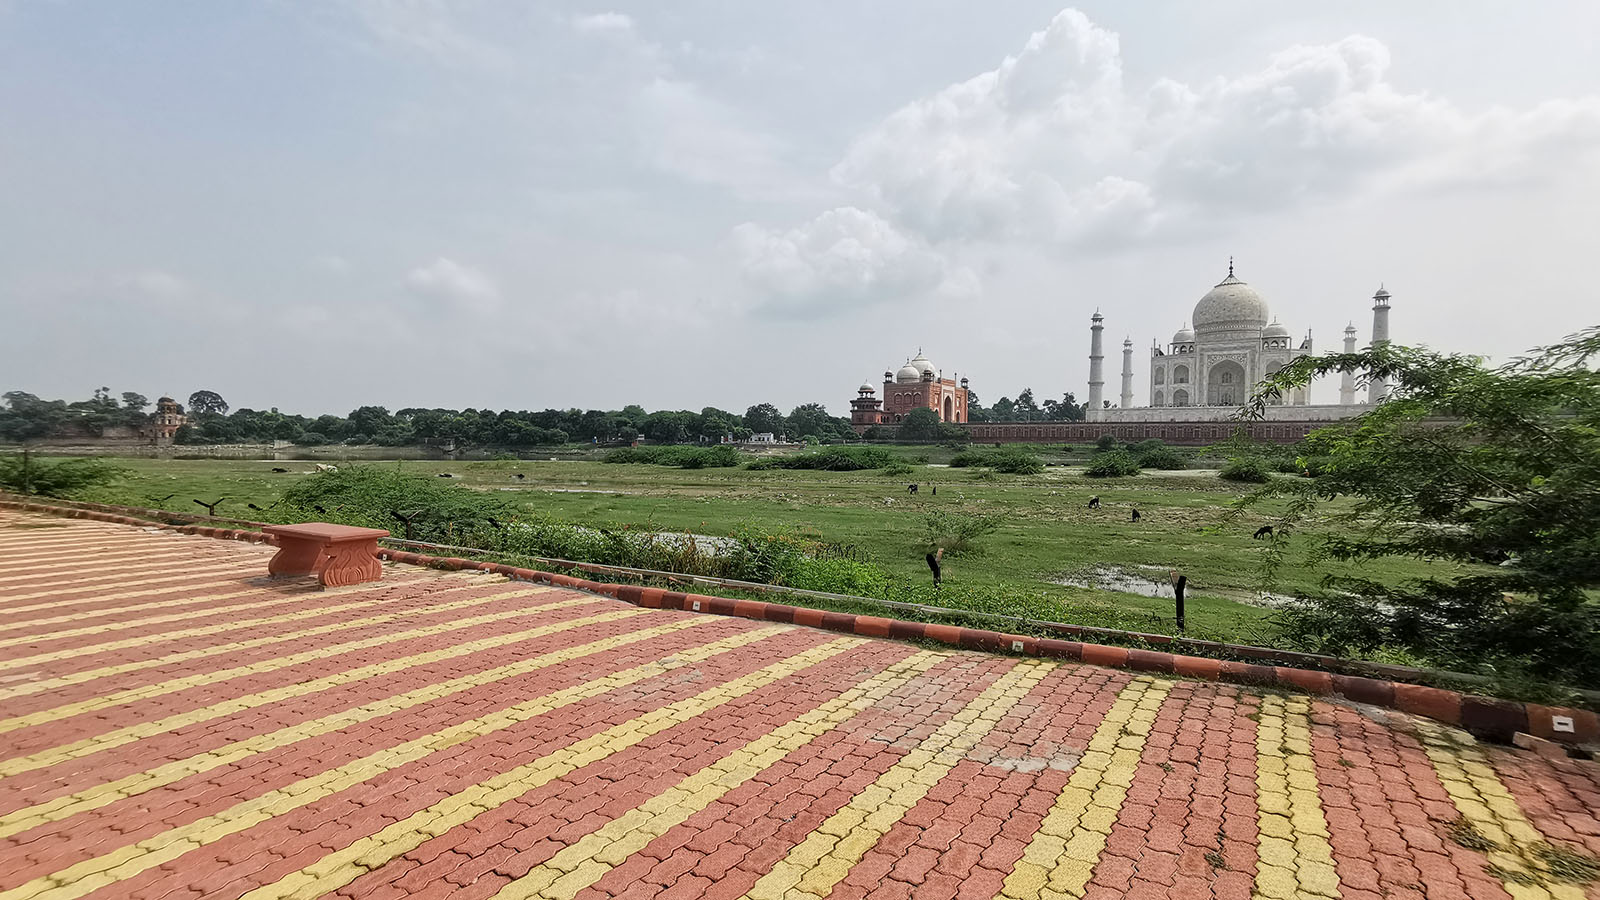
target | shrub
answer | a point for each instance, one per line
(956, 532)
(1245, 468)
(309, 439)
(969, 459)
(1016, 461)
(897, 469)
(25, 474)
(1106, 443)
(1162, 457)
(1147, 445)
(1113, 464)
(683, 457)
(830, 459)
(1288, 465)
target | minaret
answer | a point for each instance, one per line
(1097, 375)
(1347, 382)
(1378, 388)
(1127, 373)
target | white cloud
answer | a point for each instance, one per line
(683, 131)
(603, 23)
(450, 281)
(1051, 145)
(844, 257)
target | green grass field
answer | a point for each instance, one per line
(1048, 533)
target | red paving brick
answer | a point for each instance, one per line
(78, 598)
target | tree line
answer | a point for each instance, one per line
(26, 417)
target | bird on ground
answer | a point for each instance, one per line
(1136, 516)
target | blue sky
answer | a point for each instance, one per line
(320, 205)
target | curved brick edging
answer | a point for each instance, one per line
(1485, 717)
(68, 512)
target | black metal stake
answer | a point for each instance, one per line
(1177, 591)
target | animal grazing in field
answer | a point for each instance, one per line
(211, 508)
(911, 489)
(324, 467)
(1136, 517)
(933, 564)
(445, 475)
(280, 470)
(1094, 502)
(519, 476)
(1264, 531)
(936, 490)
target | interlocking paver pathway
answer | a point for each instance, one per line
(172, 724)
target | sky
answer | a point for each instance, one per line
(320, 205)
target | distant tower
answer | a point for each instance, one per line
(1127, 373)
(1378, 388)
(1347, 382)
(1097, 375)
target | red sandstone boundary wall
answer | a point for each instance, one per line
(1180, 433)
(1485, 717)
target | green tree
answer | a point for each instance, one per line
(921, 424)
(1026, 408)
(1067, 409)
(134, 402)
(764, 417)
(207, 403)
(1003, 410)
(813, 419)
(1493, 472)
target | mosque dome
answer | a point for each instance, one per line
(1230, 306)
(1185, 335)
(922, 364)
(908, 374)
(867, 389)
(1275, 330)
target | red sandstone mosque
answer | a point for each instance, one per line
(918, 385)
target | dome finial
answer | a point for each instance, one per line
(1230, 267)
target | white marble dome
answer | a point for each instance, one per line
(908, 374)
(1230, 306)
(1275, 330)
(1185, 335)
(922, 364)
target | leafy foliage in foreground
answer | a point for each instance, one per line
(1496, 471)
(24, 474)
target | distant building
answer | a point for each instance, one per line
(166, 420)
(918, 385)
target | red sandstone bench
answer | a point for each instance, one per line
(337, 554)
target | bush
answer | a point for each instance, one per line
(309, 439)
(1288, 465)
(369, 496)
(1162, 457)
(1016, 461)
(831, 459)
(25, 474)
(956, 532)
(898, 469)
(1106, 443)
(1147, 445)
(719, 457)
(1113, 464)
(969, 459)
(1249, 469)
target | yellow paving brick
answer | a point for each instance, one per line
(1486, 804)
(68, 883)
(164, 637)
(411, 832)
(1293, 846)
(143, 692)
(1091, 799)
(932, 758)
(129, 734)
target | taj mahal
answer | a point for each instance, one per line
(1206, 372)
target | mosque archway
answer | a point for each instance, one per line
(1180, 398)
(1180, 375)
(1156, 401)
(949, 409)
